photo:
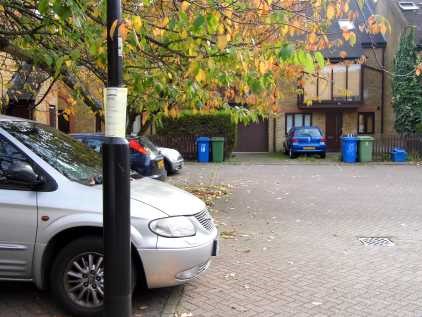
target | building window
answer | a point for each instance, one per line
(297, 120)
(334, 83)
(366, 123)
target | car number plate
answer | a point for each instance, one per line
(309, 147)
(215, 248)
(160, 164)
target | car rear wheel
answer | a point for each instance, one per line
(77, 277)
(323, 155)
(292, 154)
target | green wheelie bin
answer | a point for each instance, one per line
(217, 149)
(365, 148)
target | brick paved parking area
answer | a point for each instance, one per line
(290, 245)
(24, 300)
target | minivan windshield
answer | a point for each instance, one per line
(70, 157)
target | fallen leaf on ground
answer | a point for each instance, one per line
(227, 276)
(208, 193)
(228, 234)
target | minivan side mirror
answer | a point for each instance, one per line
(22, 173)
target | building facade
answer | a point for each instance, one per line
(348, 96)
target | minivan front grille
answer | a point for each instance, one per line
(205, 219)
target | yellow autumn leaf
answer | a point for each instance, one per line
(352, 38)
(222, 41)
(383, 28)
(200, 76)
(346, 7)
(220, 29)
(137, 23)
(331, 11)
(165, 21)
(113, 28)
(123, 30)
(312, 38)
(263, 67)
(157, 32)
(184, 6)
(346, 35)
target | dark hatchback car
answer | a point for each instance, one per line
(305, 140)
(145, 158)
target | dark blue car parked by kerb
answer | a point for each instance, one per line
(145, 158)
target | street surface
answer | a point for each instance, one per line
(289, 245)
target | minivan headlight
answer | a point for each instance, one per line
(173, 227)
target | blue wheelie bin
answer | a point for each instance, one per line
(349, 149)
(203, 149)
(398, 155)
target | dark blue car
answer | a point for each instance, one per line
(145, 158)
(305, 140)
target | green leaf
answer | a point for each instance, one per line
(75, 54)
(286, 51)
(43, 6)
(320, 59)
(59, 64)
(199, 23)
(48, 59)
(212, 21)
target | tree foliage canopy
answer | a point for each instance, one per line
(407, 85)
(193, 54)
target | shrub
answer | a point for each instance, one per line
(217, 124)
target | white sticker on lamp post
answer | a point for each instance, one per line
(115, 103)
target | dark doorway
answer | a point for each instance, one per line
(53, 115)
(20, 108)
(252, 137)
(333, 129)
(63, 122)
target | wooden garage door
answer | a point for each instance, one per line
(253, 137)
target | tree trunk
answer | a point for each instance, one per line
(131, 120)
(145, 127)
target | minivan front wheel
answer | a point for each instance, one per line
(77, 277)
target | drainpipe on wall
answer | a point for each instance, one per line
(274, 135)
(382, 90)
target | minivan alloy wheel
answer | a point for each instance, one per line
(84, 279)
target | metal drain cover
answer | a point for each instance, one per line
(376, 241)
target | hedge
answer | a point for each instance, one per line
(210, 125)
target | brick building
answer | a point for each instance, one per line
(347, 97)
(32, 95)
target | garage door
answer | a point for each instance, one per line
(253, 137)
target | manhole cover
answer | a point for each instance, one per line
(377, 241)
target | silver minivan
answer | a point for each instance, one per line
(51, 220)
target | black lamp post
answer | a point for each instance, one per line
(116, 187)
